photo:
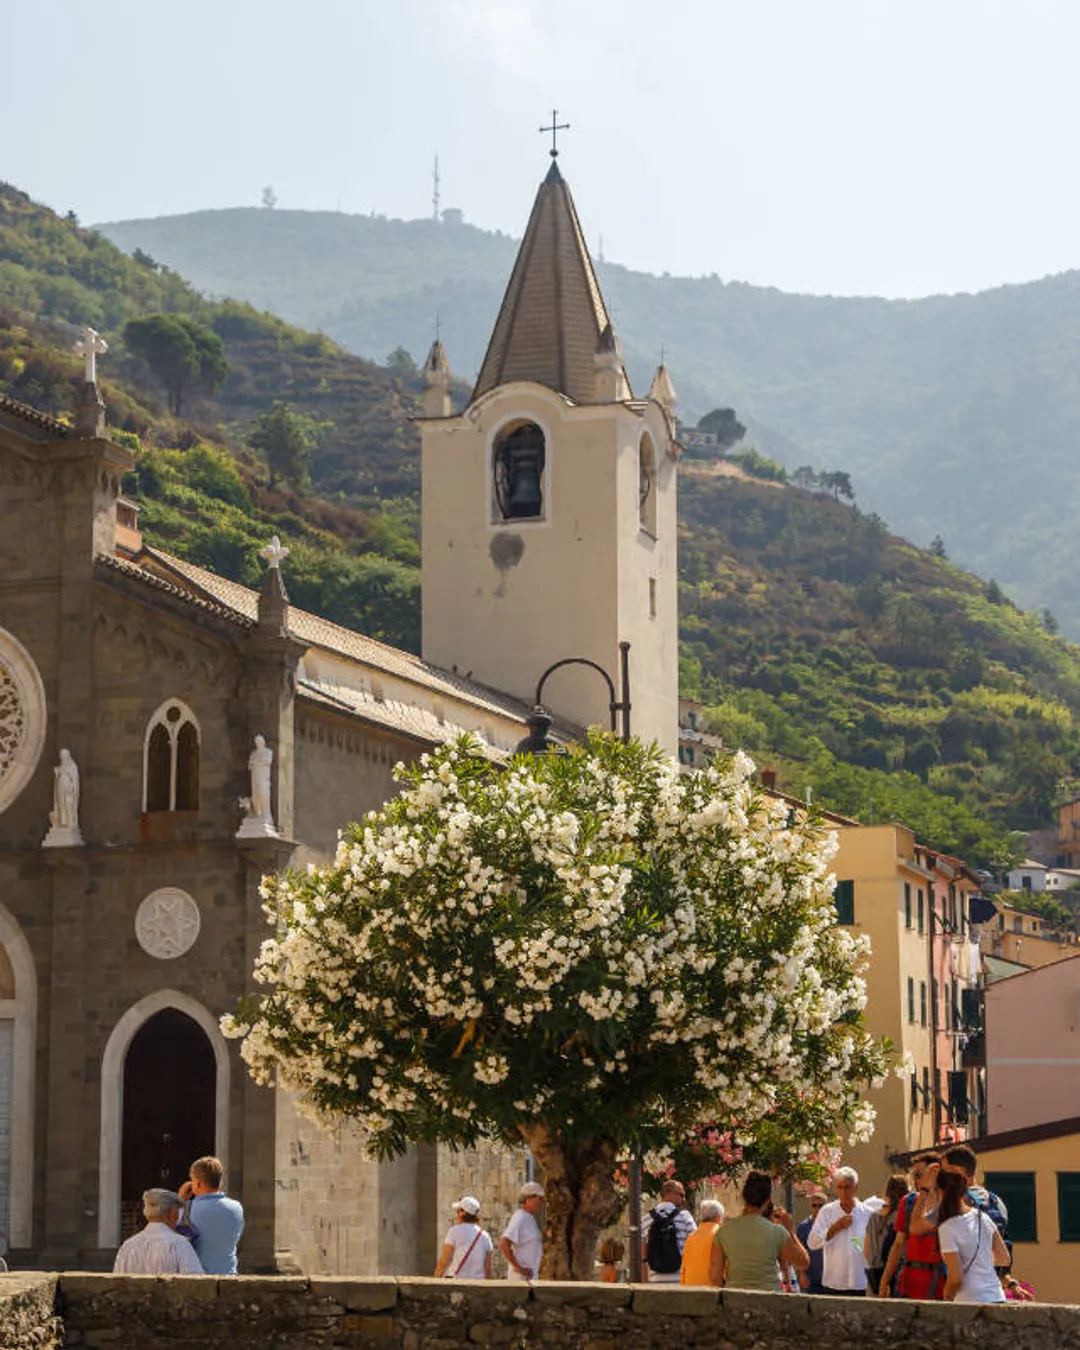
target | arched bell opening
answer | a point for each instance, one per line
(519, 464)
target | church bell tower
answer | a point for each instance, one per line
(548, 504)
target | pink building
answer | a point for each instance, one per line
(1033, 1047)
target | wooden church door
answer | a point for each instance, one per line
(170, 1081)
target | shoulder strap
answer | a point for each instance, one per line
(472, 1244)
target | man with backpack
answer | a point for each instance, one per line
(664, 1231)
(962, 1159)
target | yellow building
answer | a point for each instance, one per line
(915, 905)
(1036, 1171)
(1026, 939)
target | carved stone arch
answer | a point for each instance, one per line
(22, 1011)
(112, 1096)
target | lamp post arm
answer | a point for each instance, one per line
(613, 704)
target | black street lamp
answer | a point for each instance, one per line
(537, 743)
(539, 720)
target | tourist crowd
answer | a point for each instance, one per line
(940, 1237)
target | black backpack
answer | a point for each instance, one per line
(662, 1245)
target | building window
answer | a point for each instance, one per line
(518, 464)
(955, 1023)
(1025, 883)
(1068, 1207)
(845, 902)
(926, 1099)
(911, 999)
(946, 1021)
(922, 920)
(922, 1002)
(647, 486)
(907, 904)
(652, 597)
(1018, 924)
(1017, 1189)
(914, 1085)
(171, 759)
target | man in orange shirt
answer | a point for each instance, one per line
(698, 1247)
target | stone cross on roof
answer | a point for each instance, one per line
(90, 346)
(275, 553)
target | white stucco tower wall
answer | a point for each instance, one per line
(595, 563)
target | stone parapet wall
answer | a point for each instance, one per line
(105, 1312)
(28, 1319)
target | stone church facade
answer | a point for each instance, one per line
(129, 867)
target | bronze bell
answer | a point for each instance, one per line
(525, 498)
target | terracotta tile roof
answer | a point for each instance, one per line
(155, 582)
(553, 315)
(403, 719)
(317, 632)
(12, 408)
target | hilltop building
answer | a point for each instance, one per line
(168, 737)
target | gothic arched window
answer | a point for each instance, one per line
(647, 485)
(518, 465)
(171, 759)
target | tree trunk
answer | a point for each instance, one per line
(579, 1196)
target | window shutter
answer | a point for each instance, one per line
(1017, 1189)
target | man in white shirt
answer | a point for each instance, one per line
(838, 1232)
(158, 1249)
(522, 1243)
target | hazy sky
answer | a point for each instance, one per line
(895, 147)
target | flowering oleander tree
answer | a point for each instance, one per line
(585, 953)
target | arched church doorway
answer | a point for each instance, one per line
(170, 1087)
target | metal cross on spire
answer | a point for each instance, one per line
(555, 128)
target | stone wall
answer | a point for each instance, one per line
(146, 1313)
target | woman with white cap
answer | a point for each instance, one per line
(466, 1253)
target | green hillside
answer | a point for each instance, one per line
(956, 415)
(889, 681)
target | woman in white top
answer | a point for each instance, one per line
(466, 1253)
(971, 1245)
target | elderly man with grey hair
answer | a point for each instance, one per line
(838, 1233)
(158, 1249)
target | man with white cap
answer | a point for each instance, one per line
(466, 1253)
(523, 1243)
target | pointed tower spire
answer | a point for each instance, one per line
(436, 401)
(553, 315)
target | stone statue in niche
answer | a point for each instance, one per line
(64, 829)
(258, 821)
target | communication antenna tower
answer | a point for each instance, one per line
(435, 190)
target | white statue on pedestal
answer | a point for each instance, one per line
(258, 821)
(64, 829)
(90, 346)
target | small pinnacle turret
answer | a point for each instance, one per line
(662, 391)
(436, 399)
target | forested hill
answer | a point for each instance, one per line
(957, 415)
(895, 684)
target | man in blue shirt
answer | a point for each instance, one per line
(810, 1279)
(216, 1220)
